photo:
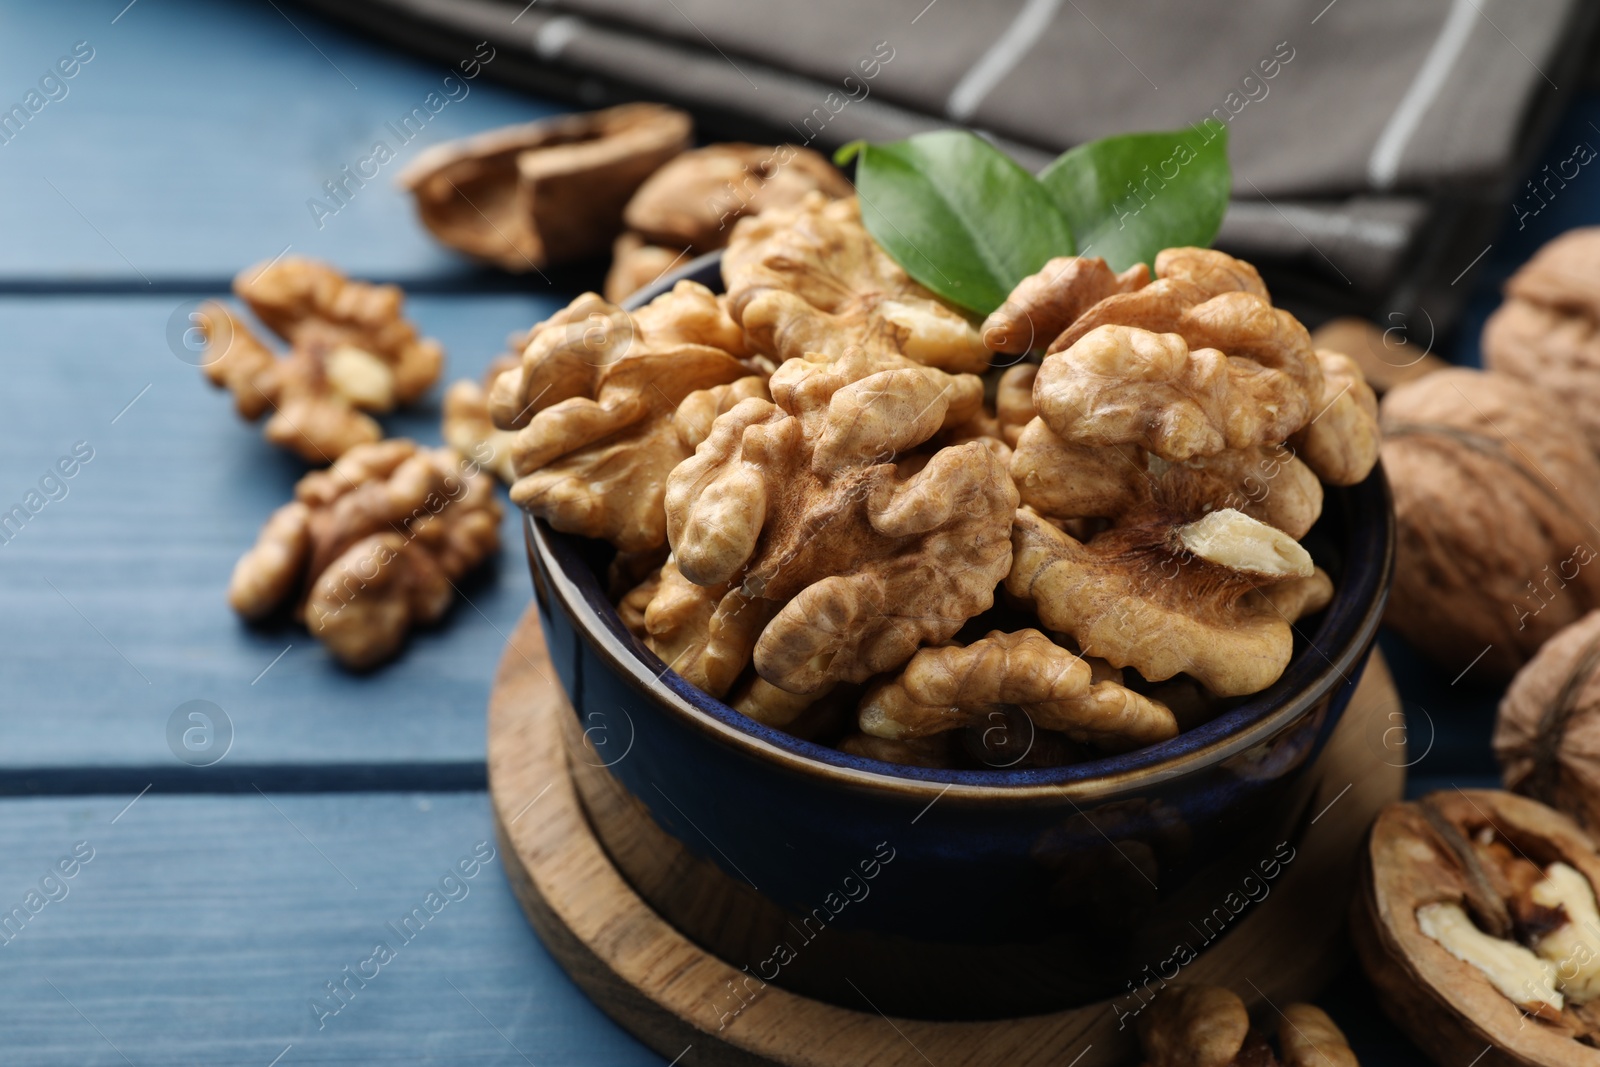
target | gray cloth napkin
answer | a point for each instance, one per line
(1375, 145)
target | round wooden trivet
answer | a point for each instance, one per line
(671, 994)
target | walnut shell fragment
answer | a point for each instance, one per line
(1166, 599)
(352, 351)
(811, 282)
(544, 192)
(1547, 733)
(1496, 507)
(1472, 921)
(802, 502)
(1208, 1026)
(693, 201)
(1547, 332)
(954, 687)
(595, 402)
(370, 547)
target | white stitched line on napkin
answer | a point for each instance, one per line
(992, 67)
(554, 36)
(1384, 166)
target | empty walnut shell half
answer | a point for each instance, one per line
(543, 192)
(1547, 735)
(693, 201)
(1548, 330)
(1472, 920)
(1497, 499)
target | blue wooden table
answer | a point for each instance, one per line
(211, 910)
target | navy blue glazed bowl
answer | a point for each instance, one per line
(945, 893)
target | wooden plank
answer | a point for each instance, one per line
(114, 593)
(203, 928)
(192, 140)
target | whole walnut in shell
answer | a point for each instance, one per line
(693, 201)
(1497, 497)
(1547, 735)
(351, 352)
(371, 546)
(1547, 332)
(811, 282)
(818, 501)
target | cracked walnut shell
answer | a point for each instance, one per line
(693, 201)
(370, 547)
(1496, 508)
(351, 351)
(1476, 922)
(814, 501)
(811, 282)
(954, 687)
(544, 192)
(1547, 332)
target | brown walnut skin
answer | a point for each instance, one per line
(1447, 1006)
(1547, 734)
(544, 192)
(1496, 510)
(693, 201)
(1547, 332)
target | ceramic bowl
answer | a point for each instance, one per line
(944, 893)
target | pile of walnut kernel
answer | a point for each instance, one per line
(855, 514)
(373, 543)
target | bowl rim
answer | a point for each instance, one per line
(1349, 625)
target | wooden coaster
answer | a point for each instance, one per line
(668, 992)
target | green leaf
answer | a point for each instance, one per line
(1129, 197)
(960, 216)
